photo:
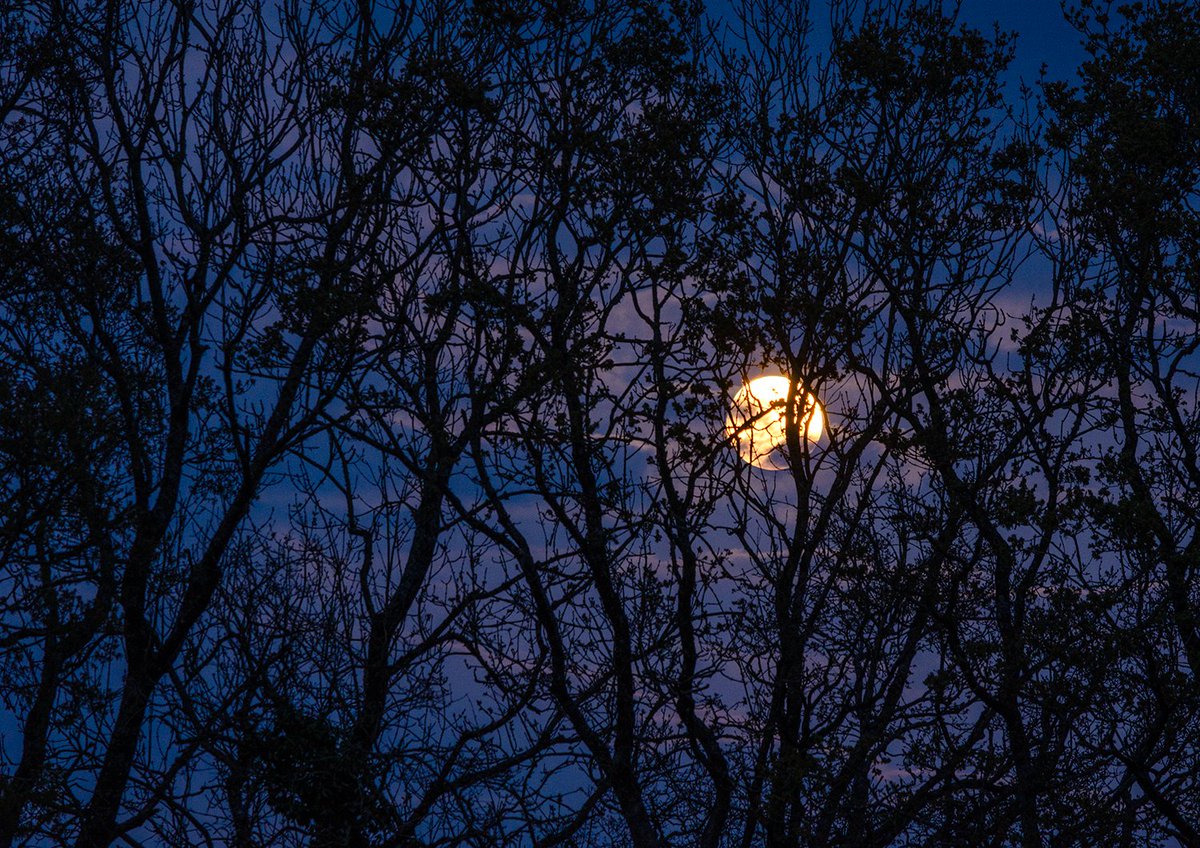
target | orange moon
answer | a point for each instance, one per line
(757, 423)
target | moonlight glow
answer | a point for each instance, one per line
(757, 421)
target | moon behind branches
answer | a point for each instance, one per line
(757, 421)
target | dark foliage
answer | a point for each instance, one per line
(365, 373)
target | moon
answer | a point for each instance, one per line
(757, 422)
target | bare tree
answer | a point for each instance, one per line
(369, 471)
(1123, 236)
(239, 165)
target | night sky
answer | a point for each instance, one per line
(1044, 37)
(406, 428)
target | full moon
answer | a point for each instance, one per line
(757, 423)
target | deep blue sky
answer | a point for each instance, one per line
(1044, 36)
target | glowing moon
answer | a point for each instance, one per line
(757, 423)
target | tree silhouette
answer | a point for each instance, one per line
(368, 473)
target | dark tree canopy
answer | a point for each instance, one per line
(368, 470)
